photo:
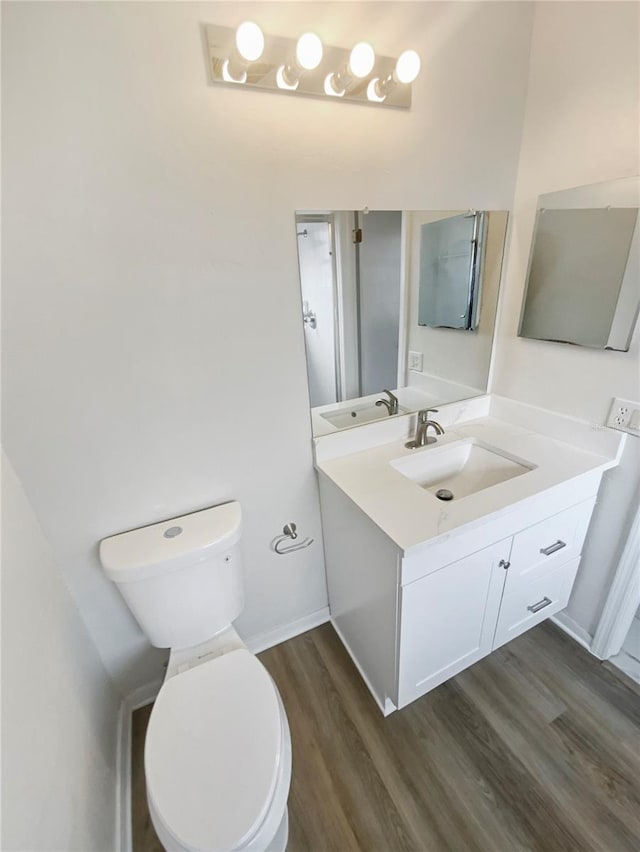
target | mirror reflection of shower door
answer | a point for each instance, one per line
(379, 266)
(317, 279)
(451, 255)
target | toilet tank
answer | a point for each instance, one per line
(182, 578)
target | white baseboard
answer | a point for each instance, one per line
(123, 783)
(573, 629)
(262, 641)
(146, 694)
(627, 664)
(138, 698)
(123, 788)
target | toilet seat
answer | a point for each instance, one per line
(214, 751)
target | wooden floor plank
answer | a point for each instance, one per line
(561, 767)
(575, 674)
(375, 820)
(534, 749)
(313, 799)
(610, 783)
(415, 796)
(455, 790)
(521, 796)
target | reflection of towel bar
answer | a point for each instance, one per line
(289, 533)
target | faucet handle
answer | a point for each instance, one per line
(423, 414)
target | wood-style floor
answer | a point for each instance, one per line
(537, 747)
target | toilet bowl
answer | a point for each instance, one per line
(218, 749)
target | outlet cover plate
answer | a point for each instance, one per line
(415, 361)
(625, 416)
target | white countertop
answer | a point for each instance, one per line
(409, 515)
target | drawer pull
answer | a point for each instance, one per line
(553, 548)
(540, 605)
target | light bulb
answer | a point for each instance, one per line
(331, 89)
(284, 81)
(361, 59)
(372, 91)
(407, 67)
(229, 76)
(308, 56)
(249, 41)
(406, 70)
(309, 51)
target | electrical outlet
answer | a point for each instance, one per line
(415, 361)
(625, 416)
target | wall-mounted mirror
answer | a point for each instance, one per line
(583, 282)
(402, 301)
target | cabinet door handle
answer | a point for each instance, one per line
(504, 564)
(553, 548)
(540, 605)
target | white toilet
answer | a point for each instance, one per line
(218, 750)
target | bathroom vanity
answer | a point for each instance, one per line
(421, 588)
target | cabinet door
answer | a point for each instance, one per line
(448, 620)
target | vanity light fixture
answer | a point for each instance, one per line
(360, 64)
(308, 57)
(246, 57)
(249, 46)
(406, 70)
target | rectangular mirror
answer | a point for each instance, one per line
(583, 282)
(396, 301)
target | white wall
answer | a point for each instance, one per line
(154, 356)
(581, 126)
(59, 708)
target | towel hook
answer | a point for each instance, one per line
(289, 533)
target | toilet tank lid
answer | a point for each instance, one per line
(170, 545)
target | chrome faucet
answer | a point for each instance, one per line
(391, 403)
(422, 425)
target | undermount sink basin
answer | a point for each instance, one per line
(354, 415)
(460, 469)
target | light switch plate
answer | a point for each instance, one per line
(625, 416)
(415, 361)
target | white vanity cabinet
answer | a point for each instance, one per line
(412, 620)
(462, 611)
